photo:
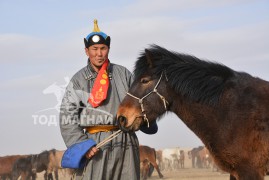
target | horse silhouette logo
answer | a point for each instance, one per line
(58, 91)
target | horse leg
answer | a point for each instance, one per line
(28, 176)
(33, 176)
(46, 175)
(56, 174)
(145, 168)
(232, 177)
(23, 176)
(157, 168)
(50, 177)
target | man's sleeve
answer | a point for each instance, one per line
(69, 117)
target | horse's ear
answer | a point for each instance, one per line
(149, 58)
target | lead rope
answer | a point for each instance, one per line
(106, 140)
(109, 138)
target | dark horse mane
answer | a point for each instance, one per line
(201, 81)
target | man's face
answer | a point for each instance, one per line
(97, 54)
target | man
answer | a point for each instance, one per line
(88, 113)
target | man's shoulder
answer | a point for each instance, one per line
(81, 74)
(117, 67)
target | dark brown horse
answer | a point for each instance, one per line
(49, 161)
(226, 109)
(23, 168)
(194, 156)
(149, 154)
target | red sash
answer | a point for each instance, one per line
(100, 87)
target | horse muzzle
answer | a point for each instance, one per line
(122, 120)
(126, 125)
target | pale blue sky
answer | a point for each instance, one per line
(41, 42)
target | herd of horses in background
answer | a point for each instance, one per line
(48, 163)
(172, 159)
(26, 167)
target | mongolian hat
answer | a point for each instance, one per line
(96, 37)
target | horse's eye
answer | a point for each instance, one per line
(144, 80)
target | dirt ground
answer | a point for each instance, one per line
(187, 173)
(190, 173)
(181, 174)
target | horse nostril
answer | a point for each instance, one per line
(122, 123)
(122, 119)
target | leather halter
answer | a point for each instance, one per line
(140, 100)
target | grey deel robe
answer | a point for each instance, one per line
(118, 159)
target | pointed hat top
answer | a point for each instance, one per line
(96, 28)
(96, 36)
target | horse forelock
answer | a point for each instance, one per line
(199, 80)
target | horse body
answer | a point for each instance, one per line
(227, 110)
(240, 125)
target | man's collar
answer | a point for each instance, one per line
(92, 74)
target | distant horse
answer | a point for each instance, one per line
(148, 153)
(40, 163)
(6, 164)
(181, 158)
(49, 161)
(194, 156)
(171, 158)
(23, 167)
(55, 159)
(205, 157)
(226, 109)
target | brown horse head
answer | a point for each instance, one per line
(161, 77)
(149, 89)
(226, 109)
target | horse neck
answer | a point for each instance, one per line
(194, 115)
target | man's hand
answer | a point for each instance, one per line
(92, 151)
